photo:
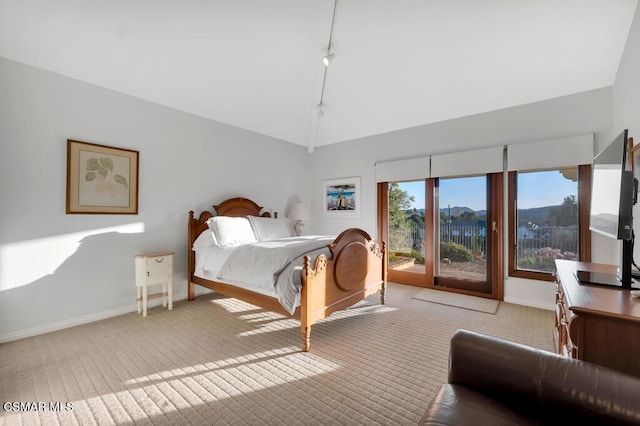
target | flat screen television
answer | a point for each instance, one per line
(613, 194)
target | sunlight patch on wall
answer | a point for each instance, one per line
(24, 262)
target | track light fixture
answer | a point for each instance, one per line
(317, 111)
(327, 59)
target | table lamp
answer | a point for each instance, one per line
(299, 214)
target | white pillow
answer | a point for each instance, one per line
(205, 239)
(267, 228)
(232, 231)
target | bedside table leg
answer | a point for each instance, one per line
(144, 300)
(164, 299)
(170, 294)
(139, 299)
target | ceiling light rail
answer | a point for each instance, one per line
(319, 107)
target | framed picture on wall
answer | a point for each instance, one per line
(101, 179)
(341, 197)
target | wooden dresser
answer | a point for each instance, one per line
(597, 324)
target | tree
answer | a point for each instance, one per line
(399, 202)
(565, 214)
(399, 226)
(468, 216)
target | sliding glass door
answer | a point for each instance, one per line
(444, 233)
(464, 251)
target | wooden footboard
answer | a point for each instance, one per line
(357, 268)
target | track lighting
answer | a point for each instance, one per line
(327, 59)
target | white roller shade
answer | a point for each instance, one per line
(551, 154)
(467, 163)
(403, 170)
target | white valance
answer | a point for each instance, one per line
(403, 170)
(468, 163)
(550, 154)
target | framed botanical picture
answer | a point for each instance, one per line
(101, 179)
(341, 197)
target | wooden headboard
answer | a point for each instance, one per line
(234, 207)
(240, 207)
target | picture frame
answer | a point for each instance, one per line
(101, 179)
(341, 197)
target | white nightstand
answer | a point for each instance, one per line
(151, 270)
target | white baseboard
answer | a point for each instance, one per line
(72, 322)
(48, 328)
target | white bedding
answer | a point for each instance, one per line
(270, 267)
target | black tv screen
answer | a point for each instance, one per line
(612, 191)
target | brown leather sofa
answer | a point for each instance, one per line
(496, 382)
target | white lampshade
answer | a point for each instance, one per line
(298, 212)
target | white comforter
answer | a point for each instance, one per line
(267, 267)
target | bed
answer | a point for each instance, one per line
(344, 271)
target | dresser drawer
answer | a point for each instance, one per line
(568, 348)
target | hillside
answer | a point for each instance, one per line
(533, 215)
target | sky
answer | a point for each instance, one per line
(538, 189)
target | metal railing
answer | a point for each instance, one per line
(473, 237)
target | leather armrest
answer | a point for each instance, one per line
(501, 369)
(461, 406)
(537, 381)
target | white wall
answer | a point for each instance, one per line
(57, 269)
(588, 112)
(626, 102)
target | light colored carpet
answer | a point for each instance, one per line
(457, 300)
(220, 361)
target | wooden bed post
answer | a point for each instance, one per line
(306, 338)
(191, 258)
(305, 321)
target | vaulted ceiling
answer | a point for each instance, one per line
(257, 64)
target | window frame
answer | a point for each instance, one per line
(495, 203)
(410, 278)
(495, 238)
(584, 234)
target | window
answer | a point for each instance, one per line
(444, 231)
(406, 226)
(468, 241)
(462, 227)
(437, 236)
(548, 220)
